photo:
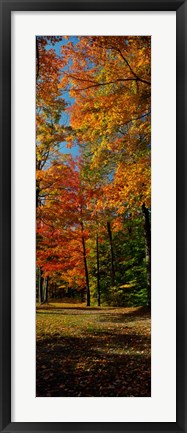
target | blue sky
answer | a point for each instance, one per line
(74, 151)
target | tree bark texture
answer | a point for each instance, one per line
(45, 290)
(85, 265)
(98, 273)
(39, 286)
(111, 252)
(37, 193)
(147, 231)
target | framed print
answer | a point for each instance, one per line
(93, 216)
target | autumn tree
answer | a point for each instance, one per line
(49, 108)
(49, 105)
(109, 77)
(65, 215)
(93, 214)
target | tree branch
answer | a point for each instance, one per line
(129, 66)
(106, 84)
(134, 119)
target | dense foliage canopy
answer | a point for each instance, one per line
(93, 210)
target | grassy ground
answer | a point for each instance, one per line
(85, 352)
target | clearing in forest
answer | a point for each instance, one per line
(93, 352)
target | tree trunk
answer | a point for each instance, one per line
(85, 266)
(147, 231)
(112, 253)
(40, 280)
(37, 193)
(98, 273)
(39, 286)
(45, 290)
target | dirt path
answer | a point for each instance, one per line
(93, 352)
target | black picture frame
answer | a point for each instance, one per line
(5, 213)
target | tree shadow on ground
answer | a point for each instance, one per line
(124, 317)
(108, 314)
(100, 365)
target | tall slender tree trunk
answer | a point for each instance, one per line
(40, 282)
(39, 286)
(45, 289)
(98, 273)
(112, 253)
(147, 231)
(85, 265)
(37, 193)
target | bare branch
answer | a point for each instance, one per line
(134, 119)
(106, 84)
(129, 66)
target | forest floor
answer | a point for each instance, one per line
(86, 352)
